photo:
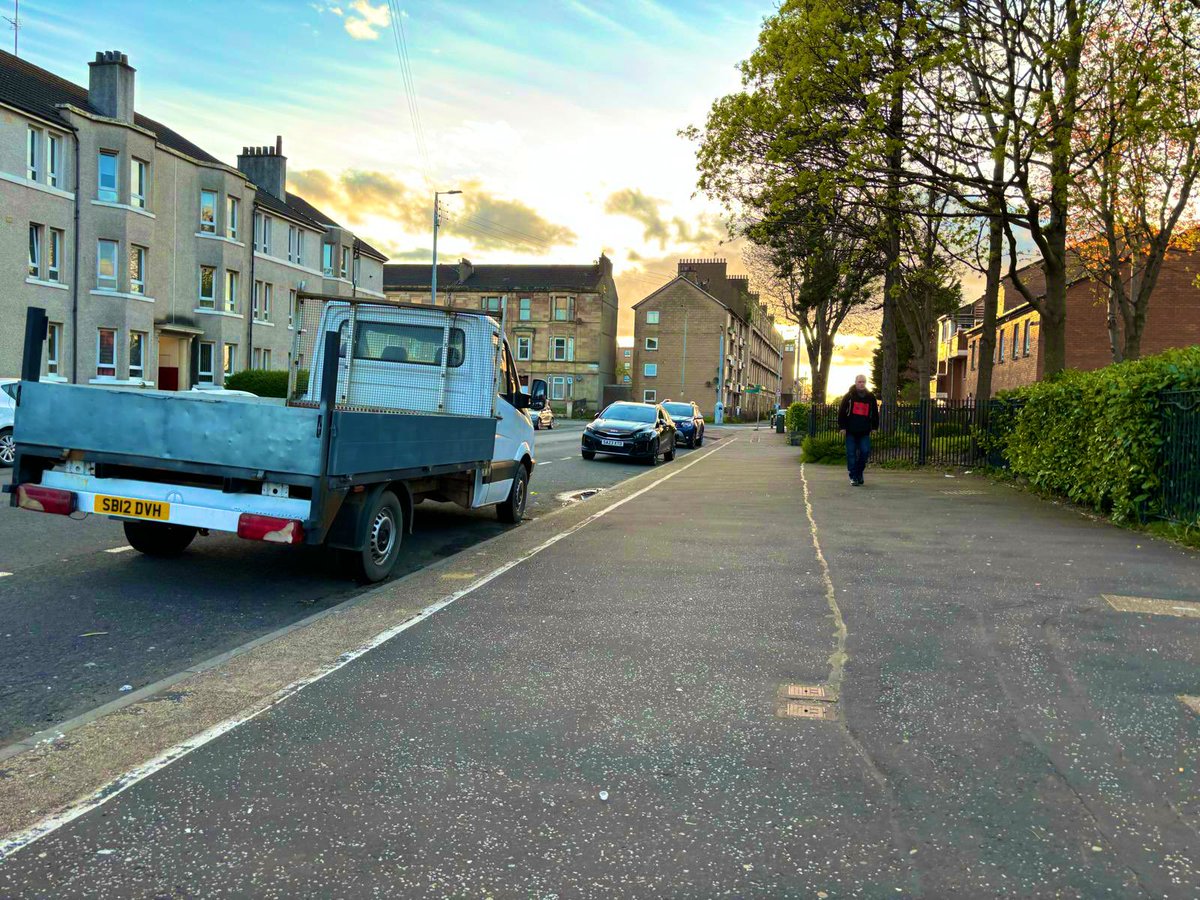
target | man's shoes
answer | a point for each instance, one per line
(856, 482)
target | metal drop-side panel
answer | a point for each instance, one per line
(228, 431)
(379, 442)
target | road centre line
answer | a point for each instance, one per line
(118, 549)
(21, 839)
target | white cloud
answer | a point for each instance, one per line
(367, 19)
(328, 8)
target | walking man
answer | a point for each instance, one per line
(858, 416)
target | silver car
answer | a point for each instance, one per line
(8, 408)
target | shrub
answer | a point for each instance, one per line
(1096, 437)
(823, 450)
(266, 382)
(796, 417)
(948, 429)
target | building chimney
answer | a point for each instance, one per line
(606, 268)
(266, 167)
(110, 85)
(465, 270)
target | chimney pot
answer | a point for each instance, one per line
(266, 167)
(111, 85)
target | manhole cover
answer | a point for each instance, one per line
(576, 496)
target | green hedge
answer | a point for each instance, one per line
(266, 382)
(823, 450)
(1096, 437)
(796, 417)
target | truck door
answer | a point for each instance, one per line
(514, 432)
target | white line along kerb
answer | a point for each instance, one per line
(122, 783)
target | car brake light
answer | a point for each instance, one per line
(45, 499)
(270, 528)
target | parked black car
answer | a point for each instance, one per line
(689, 422)
(642, 430)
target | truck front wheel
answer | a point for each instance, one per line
(381, 548)
(512, 510)
(158, 539)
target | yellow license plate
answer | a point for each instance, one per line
(131, 508)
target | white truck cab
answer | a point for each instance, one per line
(403, 404)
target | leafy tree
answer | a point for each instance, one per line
(1136, 206)
(1014, 93)
(822, 109)
(816, 267)
(906, 379)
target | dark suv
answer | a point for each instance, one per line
(640, 430)
(689, 423)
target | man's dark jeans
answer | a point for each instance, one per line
(858, 448)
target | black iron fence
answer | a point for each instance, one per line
(928, 432)
(942, 433)
(1181, 456)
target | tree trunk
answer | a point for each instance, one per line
(889, 375)
(985, 357)
(1115, 343)
(1053, 327)
(820, 355)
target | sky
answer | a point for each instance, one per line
(558, 121)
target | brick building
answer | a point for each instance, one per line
(705, 337)
(1173, 320)
(560, 320)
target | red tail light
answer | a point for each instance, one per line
(45, 499)
(270, 528)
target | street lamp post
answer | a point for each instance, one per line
(436, 222)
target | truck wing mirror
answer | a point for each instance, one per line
(537, 394)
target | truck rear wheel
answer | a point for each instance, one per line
(159, 538)
(381, 548)
(512, 510)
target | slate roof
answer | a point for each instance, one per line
(501, 278)
(299, 203)
(26, 87)
(362, 248)
(270, 202)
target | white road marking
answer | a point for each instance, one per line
(5, 574)
(122, 783)
(565, 458)
(539, 465)
(118, 549)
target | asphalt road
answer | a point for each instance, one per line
(609, 717)
(82, 615)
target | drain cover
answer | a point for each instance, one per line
(795, 709)
(576, 496)
(808, 692)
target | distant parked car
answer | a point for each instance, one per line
(641, 430)
(543, 418)
(8, 408)
(689, 422)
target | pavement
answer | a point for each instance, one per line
(603, 710)
(82, 614)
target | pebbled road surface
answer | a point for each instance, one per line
(80, 618)
(604, 719)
